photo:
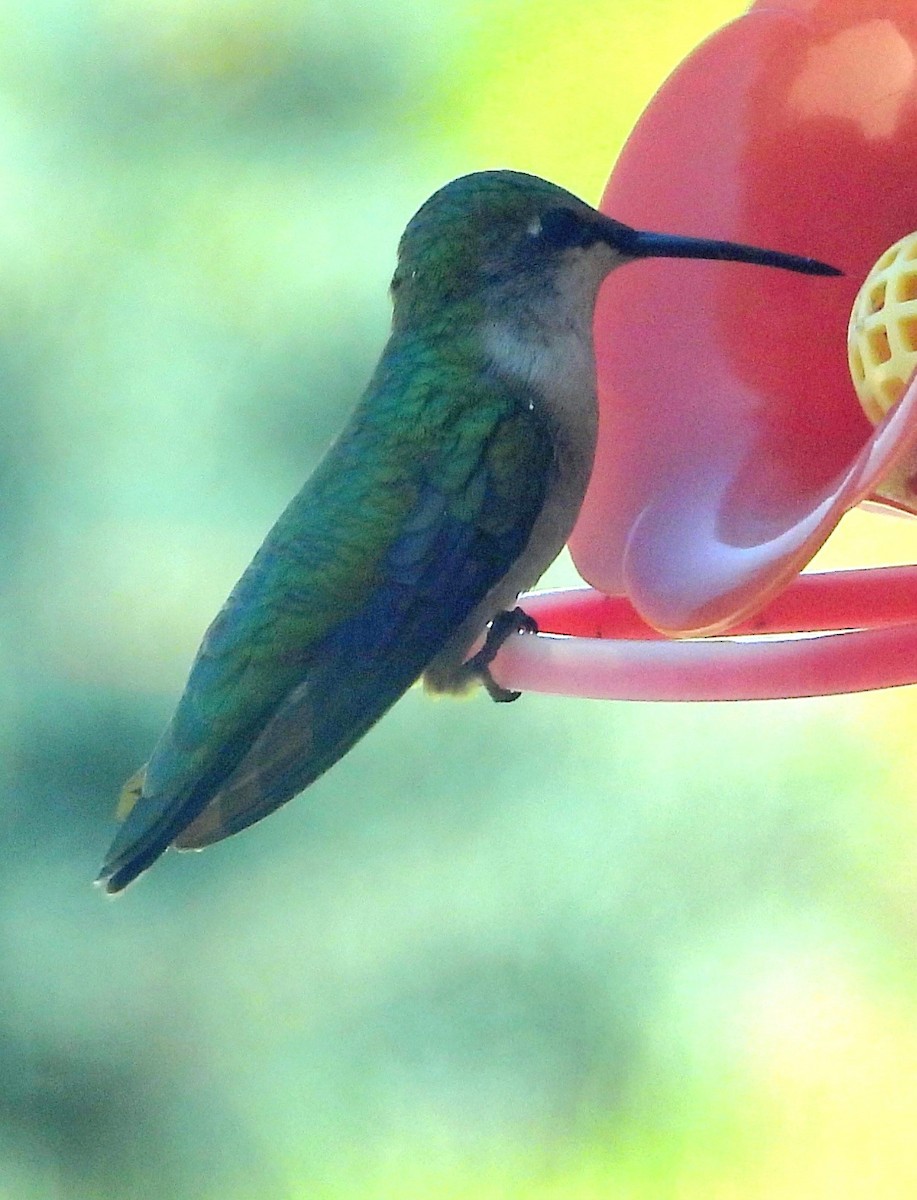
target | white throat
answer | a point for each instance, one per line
(547, 343)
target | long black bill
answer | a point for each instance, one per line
(639, 244)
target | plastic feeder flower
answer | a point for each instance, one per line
(731, 438)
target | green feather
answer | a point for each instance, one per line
(428, 416)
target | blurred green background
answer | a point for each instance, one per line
(561, 949)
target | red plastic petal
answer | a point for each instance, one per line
(731, 440)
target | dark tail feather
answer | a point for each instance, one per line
(314, 727)
(155, 805)
(114, 877)
(118, 871)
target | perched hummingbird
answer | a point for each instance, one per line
(455, 484)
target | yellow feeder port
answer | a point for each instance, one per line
(882, 336)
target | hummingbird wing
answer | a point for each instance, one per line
(414, 514)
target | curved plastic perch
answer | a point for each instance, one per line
(841, 631)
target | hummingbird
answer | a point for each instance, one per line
(454, 485)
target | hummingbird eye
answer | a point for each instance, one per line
(561, 228)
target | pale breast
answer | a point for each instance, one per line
(560, 373)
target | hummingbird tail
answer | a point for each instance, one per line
(119, 871)
(315, 725)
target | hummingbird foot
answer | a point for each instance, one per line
(503, 626)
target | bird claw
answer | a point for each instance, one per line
(503, 626)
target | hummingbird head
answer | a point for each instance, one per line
(515, 238)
